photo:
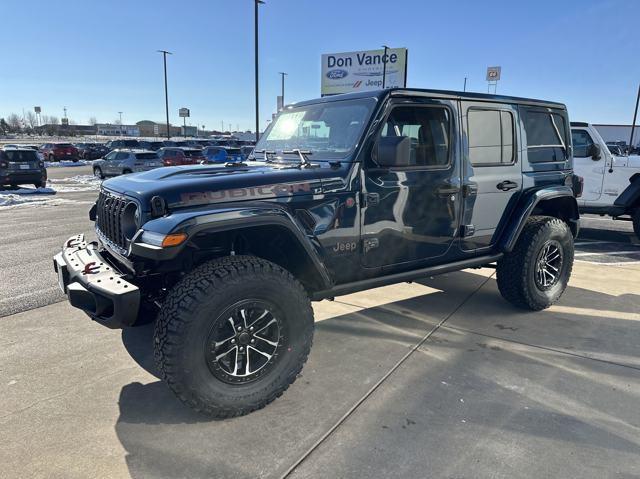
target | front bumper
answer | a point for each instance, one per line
(94, 285)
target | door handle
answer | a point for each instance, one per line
(448, 190)
(506, 185)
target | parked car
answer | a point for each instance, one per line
(151, 145)
(91, 151)
(615, 150)
(246, 150)
(169, 143)
(125, 161)
(173, 156)
(220, 154)
(20, 166)
(194, 156)
(611, 182)
(59, 151)
(115, 144)
(395, 185)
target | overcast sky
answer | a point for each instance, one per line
(98, 58)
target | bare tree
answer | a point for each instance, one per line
(32, 119)
(15, 124)
(54, 120)
(93, 121)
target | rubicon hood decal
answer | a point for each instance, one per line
(258, 192)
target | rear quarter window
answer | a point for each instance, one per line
(547, 135)
(146, 156)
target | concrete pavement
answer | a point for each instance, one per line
(439, 378)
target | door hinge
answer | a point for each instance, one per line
(370, 199)
(467, 230)
(370, 243)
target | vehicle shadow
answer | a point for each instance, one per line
(164, 438)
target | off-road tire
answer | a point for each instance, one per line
(97, 171)
(636, 222)
(195, 303)
(516, 270)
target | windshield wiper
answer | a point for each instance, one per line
(302, 154)
(266, 154)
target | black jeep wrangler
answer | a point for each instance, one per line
(341, 194)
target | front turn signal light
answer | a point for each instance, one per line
(174, 239)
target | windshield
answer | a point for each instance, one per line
(327, 130)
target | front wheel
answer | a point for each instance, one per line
(636, 222)
(97, 172)
(232, 335)
(536, 273)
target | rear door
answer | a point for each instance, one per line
(492, 171)
(411, 212)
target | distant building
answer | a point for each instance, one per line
(66, 130)
(619, 133)
(108, 129)
(150, 128)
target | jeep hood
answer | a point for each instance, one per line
(188, 186)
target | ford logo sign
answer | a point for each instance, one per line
(336, 74)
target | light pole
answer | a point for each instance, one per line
(255, 18)
(120, 113)
(283, 74)
(166, 94)
(633, 124)
(384, 67)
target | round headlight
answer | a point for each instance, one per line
(130, 219)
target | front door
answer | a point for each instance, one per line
(410, 211)
(492, 170)
(584, 165)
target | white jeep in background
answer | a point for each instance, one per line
(611, 183)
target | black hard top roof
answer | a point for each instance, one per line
(447, 94)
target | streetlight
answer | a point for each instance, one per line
(283, 74)
(384, 67)
(166, 94)
(120, 113)
(255, 18)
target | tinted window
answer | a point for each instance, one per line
(146, 156)
(21, 156)
(131, 143)
(122, 156)
(63, 145)
(546, 136)
(490, 135)
(111, 156)
(582, 142)
(428, 129)
(191, 153)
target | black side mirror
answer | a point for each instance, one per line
(594, 152)
(394, 151)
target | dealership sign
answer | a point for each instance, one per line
(184, 113)
(363, 70)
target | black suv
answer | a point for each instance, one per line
(21, 166)
(341, 194)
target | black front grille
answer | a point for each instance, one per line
(109, 211)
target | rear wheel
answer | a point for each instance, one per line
(42, 184)
(636, 222)
(535, 274)
(52, 158)
(126, 171)
(233, 334)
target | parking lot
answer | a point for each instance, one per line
(438, 378)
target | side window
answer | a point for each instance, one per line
(490, 134)
(582, 143)
(111, 156)
(546, 136)
(428, 128)
(122, 156)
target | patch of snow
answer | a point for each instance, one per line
(75, 184)
(58, 164)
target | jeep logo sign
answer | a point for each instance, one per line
(337, 74)
(363, 70)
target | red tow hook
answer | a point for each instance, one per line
(90, 268)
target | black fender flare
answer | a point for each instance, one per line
(630, 197)
(227, 218)
(526, 207)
